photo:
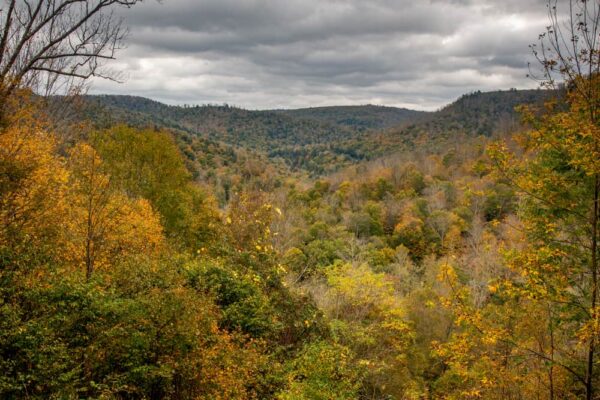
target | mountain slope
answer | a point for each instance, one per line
(473, 114)
(357, 117)
(323, 139)
(303, 143)
(252, 129)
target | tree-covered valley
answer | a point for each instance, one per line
(153, 251)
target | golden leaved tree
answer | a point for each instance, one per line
(104, 224)
(33, 185)
(65, 209)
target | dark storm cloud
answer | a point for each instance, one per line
(293, 53)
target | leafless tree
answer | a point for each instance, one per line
(55, 45)
(569, 49)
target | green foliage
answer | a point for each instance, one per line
(322, 371)
(368, 222)
(116, 339)
(148, 164)
(499, 202)
(244, 305)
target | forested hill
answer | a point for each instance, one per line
(473, 114)
(258, 130)
(322, 139)
(302, 143)
(357, 117)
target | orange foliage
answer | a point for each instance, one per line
(32, 187)
(105, 225)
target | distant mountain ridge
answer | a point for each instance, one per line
(321, 139)
(308, 142)
(477, 113)
(356, 118)
(360, 117)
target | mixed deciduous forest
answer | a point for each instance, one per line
(363, 252)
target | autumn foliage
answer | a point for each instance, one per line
(133, 265)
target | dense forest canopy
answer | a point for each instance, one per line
(150, 251)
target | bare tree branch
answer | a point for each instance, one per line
(49, 44)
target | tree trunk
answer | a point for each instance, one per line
(594, 267)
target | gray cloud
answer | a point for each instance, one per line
(297, 53)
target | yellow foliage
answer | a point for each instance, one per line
(67, 208)
(33, 186)
(371, 321)
(229, 370)
(409, 222)
(105, 225)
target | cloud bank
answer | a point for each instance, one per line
(261, 54)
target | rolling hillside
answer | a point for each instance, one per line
(357, 117)
(473, 114)
(323, 139)
(304, 143)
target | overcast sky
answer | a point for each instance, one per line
(259, 54)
